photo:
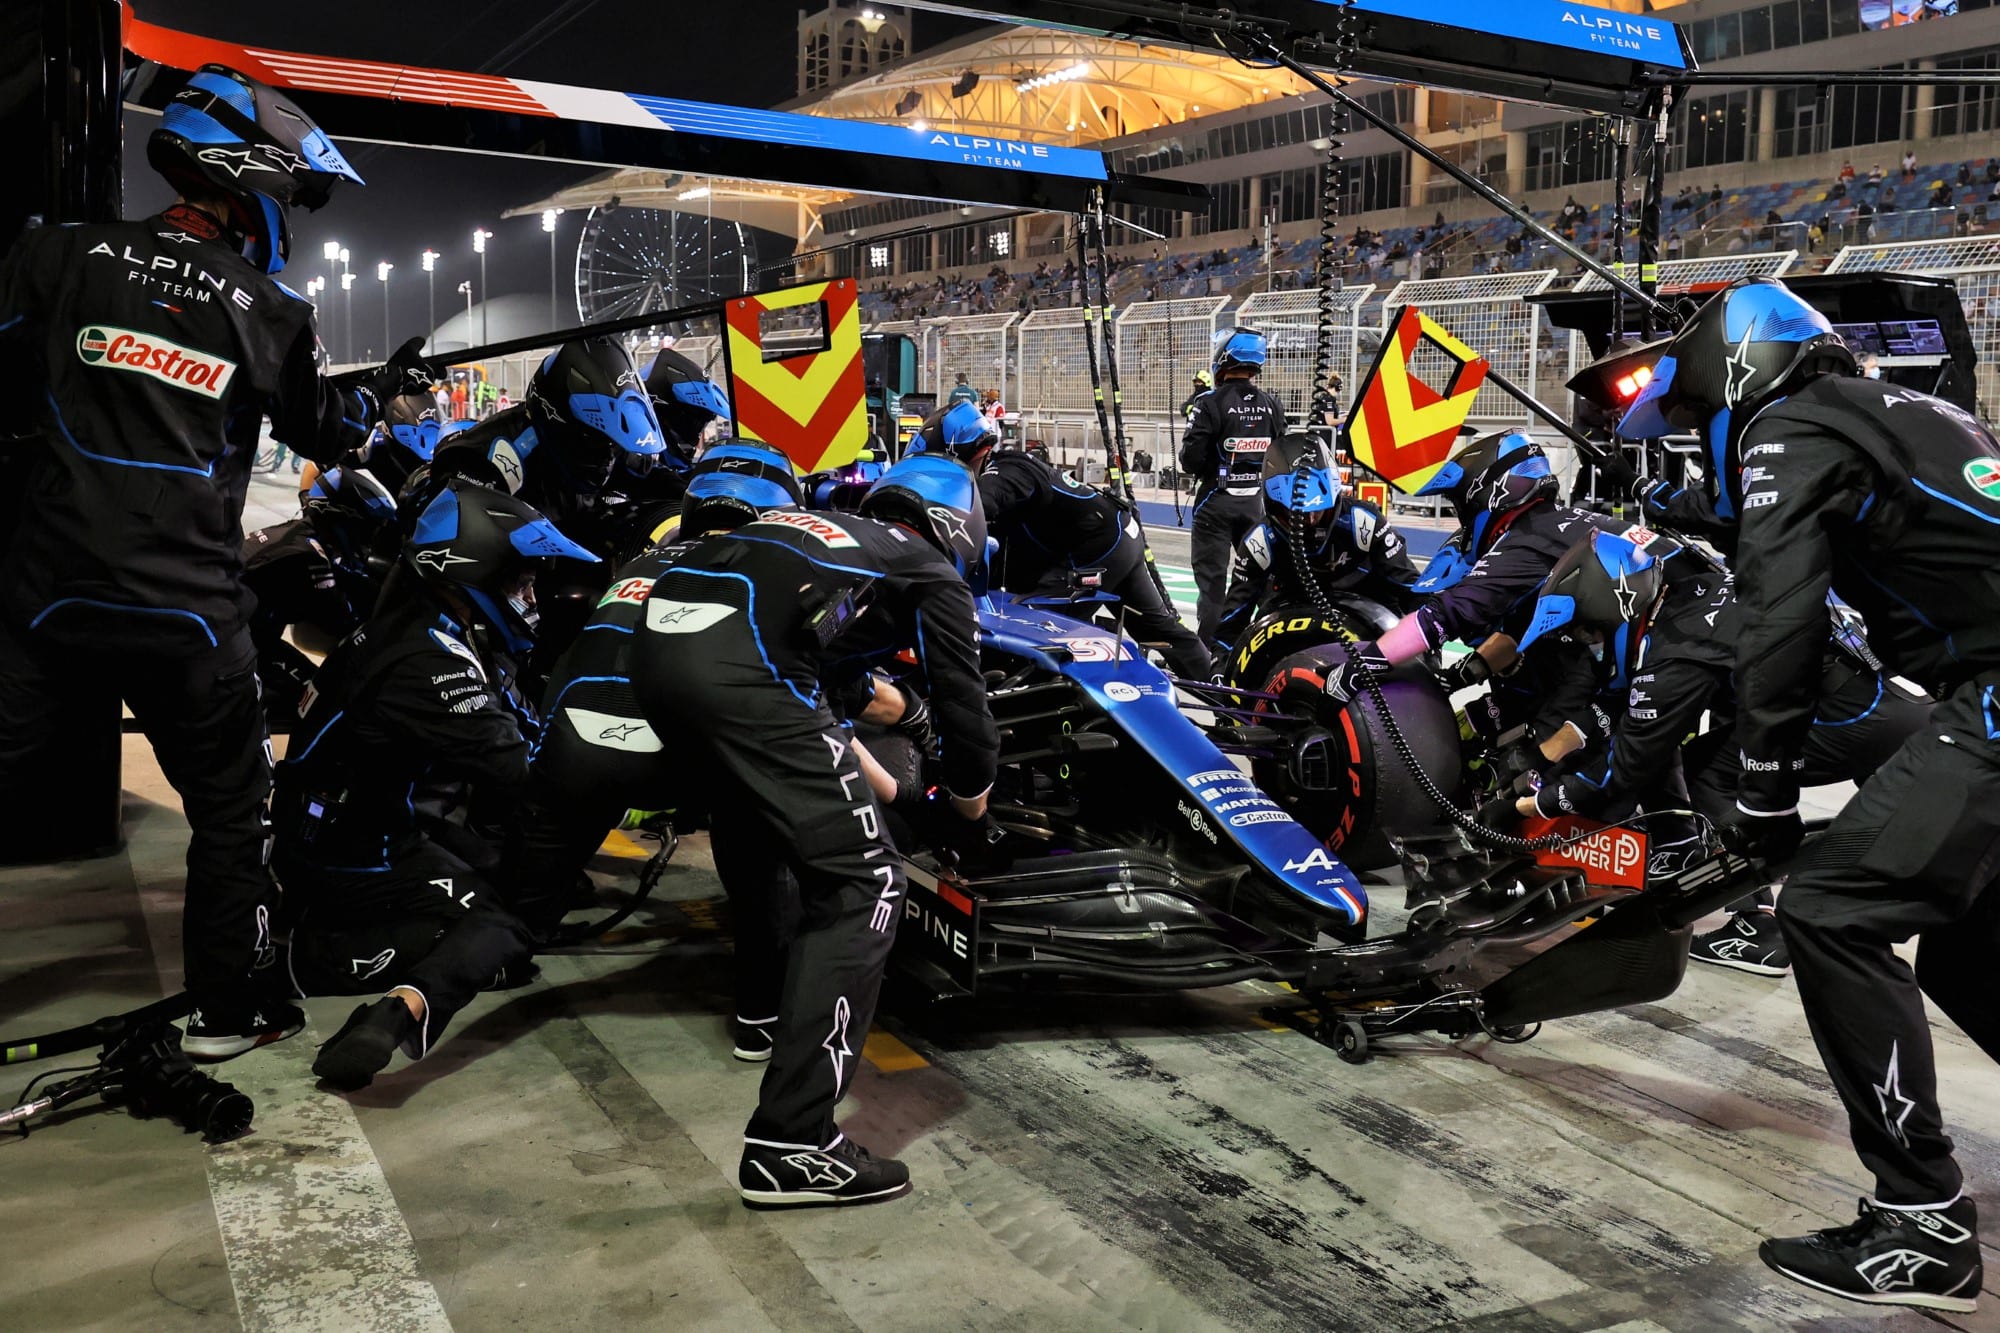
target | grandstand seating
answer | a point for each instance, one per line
(1479, 247)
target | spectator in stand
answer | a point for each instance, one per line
(1887, 202)
(1685, 199)
(1876, 175)
(1965, 173)
(1714, 194)
(1816, 234)
(1772, 221)
(1847, 171)
(1909, 164)
(1864, 222)
(1941, 196)
(1837, 194)
(1993, 168)
(1994, 193)
(1964, 222)
(1676, 247)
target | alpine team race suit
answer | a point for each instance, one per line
(1497, 594)
(152, 352)
(1684, 670)
(730, 653)
(506, 452)
(1892, 499)
(1366, 556)
(1228, 434)
(404, 700)
(1051, 525)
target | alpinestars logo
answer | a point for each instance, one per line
(1730, 948)
(1741, 371)
(442, 559)
(948, 523)
(364, 968)
(1889, 1096)
(236, 161)
(836, 1045)
(1894, 1271)
(1628, 597)
(816, 1168)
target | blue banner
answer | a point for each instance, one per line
(1643, 37)
(858, 136)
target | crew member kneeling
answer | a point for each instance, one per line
(407, 699)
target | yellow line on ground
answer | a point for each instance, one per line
(618, 844)
(889, 1054)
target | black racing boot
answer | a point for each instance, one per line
(846, 1173)
(353, 1056)
(218, 1032)
(1927, 1257)
(753, 1039)
(1751, 942)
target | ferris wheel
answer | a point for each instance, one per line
(632, 260)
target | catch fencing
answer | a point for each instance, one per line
(1679, 275)
(1491, 314)
(1289, 322)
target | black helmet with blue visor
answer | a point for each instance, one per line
(589, 403)
(734, 482)
(486, 546)
(226, 135)
(1609, 583)
(937, 499)
(687, 403)
(1492, 475)
(960, 431)
(1302, 494)
(1752, 344)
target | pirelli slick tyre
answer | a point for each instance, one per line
(1346, 782)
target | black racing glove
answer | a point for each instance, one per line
(1768, 838)
(915, 724)
(404, 372)
(1467, 671)
(1343, 682)
(1498, 815)
(1615, 476)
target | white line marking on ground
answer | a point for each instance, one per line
(310, 1228)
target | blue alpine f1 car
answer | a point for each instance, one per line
(1167, 835)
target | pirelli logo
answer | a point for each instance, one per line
(156, 358)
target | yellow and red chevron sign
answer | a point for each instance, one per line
(811, 405)
(1401, 428)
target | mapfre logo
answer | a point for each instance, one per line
(155, 358)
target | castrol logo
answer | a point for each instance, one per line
(156, 358)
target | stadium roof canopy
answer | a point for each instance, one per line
(1028, 84)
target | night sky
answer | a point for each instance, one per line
(740, 52)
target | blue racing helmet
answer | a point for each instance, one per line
(486, 546)
(225, 134)
(686, 401)
(1494, 474)
(1241, 347)
(938, 499)
(1607, 582)
(959, 431)
(735, 482)
(1753, 343)
(1308, 499)
(589, 402)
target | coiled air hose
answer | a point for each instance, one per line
(1309, 578)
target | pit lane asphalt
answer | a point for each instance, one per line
(566, 1158)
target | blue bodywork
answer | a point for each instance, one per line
(1140, 699)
